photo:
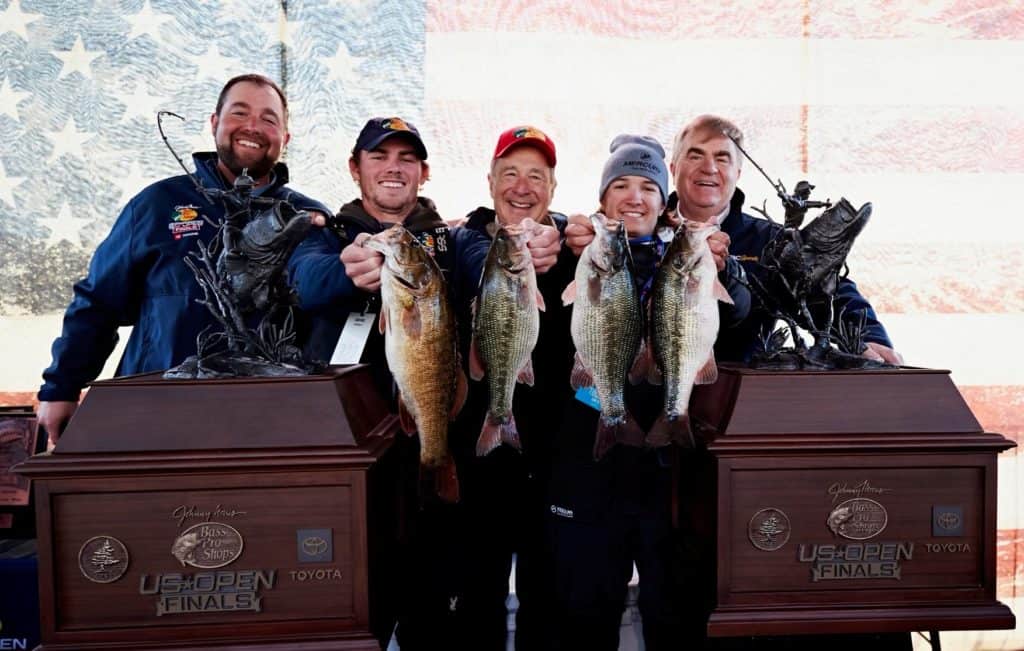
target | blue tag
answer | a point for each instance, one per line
(588, 396)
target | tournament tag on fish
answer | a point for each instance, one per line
(353, 338)
(588, 396)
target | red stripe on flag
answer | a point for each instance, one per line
(953, 278)
(18, 398)
(998, 409)
(924, 139)
(952, 19)
(1009, 563)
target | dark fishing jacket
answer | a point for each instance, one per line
(628, 482)
(532, 406)
(749, 235)
(327, 295)
(137, 277)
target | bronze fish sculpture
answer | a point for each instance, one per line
(506, 323)
(254, 256)
(607, 330)
(683, 328)
(420, 342)
(809, 261)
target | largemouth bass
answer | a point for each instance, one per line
(420, 342)
(506, 323)
(683, 328)
(607, 327)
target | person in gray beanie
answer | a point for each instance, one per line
(607, 515)
(636, 156)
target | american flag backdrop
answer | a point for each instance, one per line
(916, 106)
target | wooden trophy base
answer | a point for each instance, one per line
(237, 514)
(849, 502)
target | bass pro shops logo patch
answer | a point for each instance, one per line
(185, 222)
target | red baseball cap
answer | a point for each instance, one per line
(526, 135)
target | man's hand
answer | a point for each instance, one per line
(719, 242)
(362, 265)
(317, 218)
(881, 353)
(544, 247)
(579, 233)
(54, 417)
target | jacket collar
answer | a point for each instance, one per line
(210, 176)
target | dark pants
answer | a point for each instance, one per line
(458, 560)
(594, 551)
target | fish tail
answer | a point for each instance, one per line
(671, 429)
(629, 432)
(441, 480)
(612, 431)
(605, 438)
(495, 431)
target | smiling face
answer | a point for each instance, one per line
(635, 200)
(249, 131)
(389, 179)
(522, 185)
(705, 168)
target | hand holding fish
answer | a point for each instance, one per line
(579, 233)
(362, 264)
(544, 246)
(718, 243)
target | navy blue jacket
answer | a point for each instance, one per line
(137, 277)
(327, 295)
(748, 236)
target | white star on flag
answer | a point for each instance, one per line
(13, 19)
(63, 227)
(216, 65)
(132, 182)
(343, 67)
(68, 140)
(76, 59)
(9, 99)
(7, 185)
(282, 30)
(141, 103)
(147, 21)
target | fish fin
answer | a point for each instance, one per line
(629, 432)
(721, 293)
(445, 479)
(405, 418)
(708, 374)
(523, 296)
(526, 373)
(461, 391)
(654, 375)
(476, 363)
(642, 364)
(594, 287)
(382, 322)
(540, 302)
(671, 429)
(411, 322)
(604, 440)
(496, 431)
(581, 375)
(569, 294)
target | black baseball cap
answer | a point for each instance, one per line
(377, 130)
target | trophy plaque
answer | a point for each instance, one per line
(257, 512)
(848, 502)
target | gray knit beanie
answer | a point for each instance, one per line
(636, 156)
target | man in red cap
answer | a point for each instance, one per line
(503, 491)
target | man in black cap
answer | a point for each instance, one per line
(337, 278)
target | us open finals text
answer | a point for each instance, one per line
(856, 560)
(207, 591)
